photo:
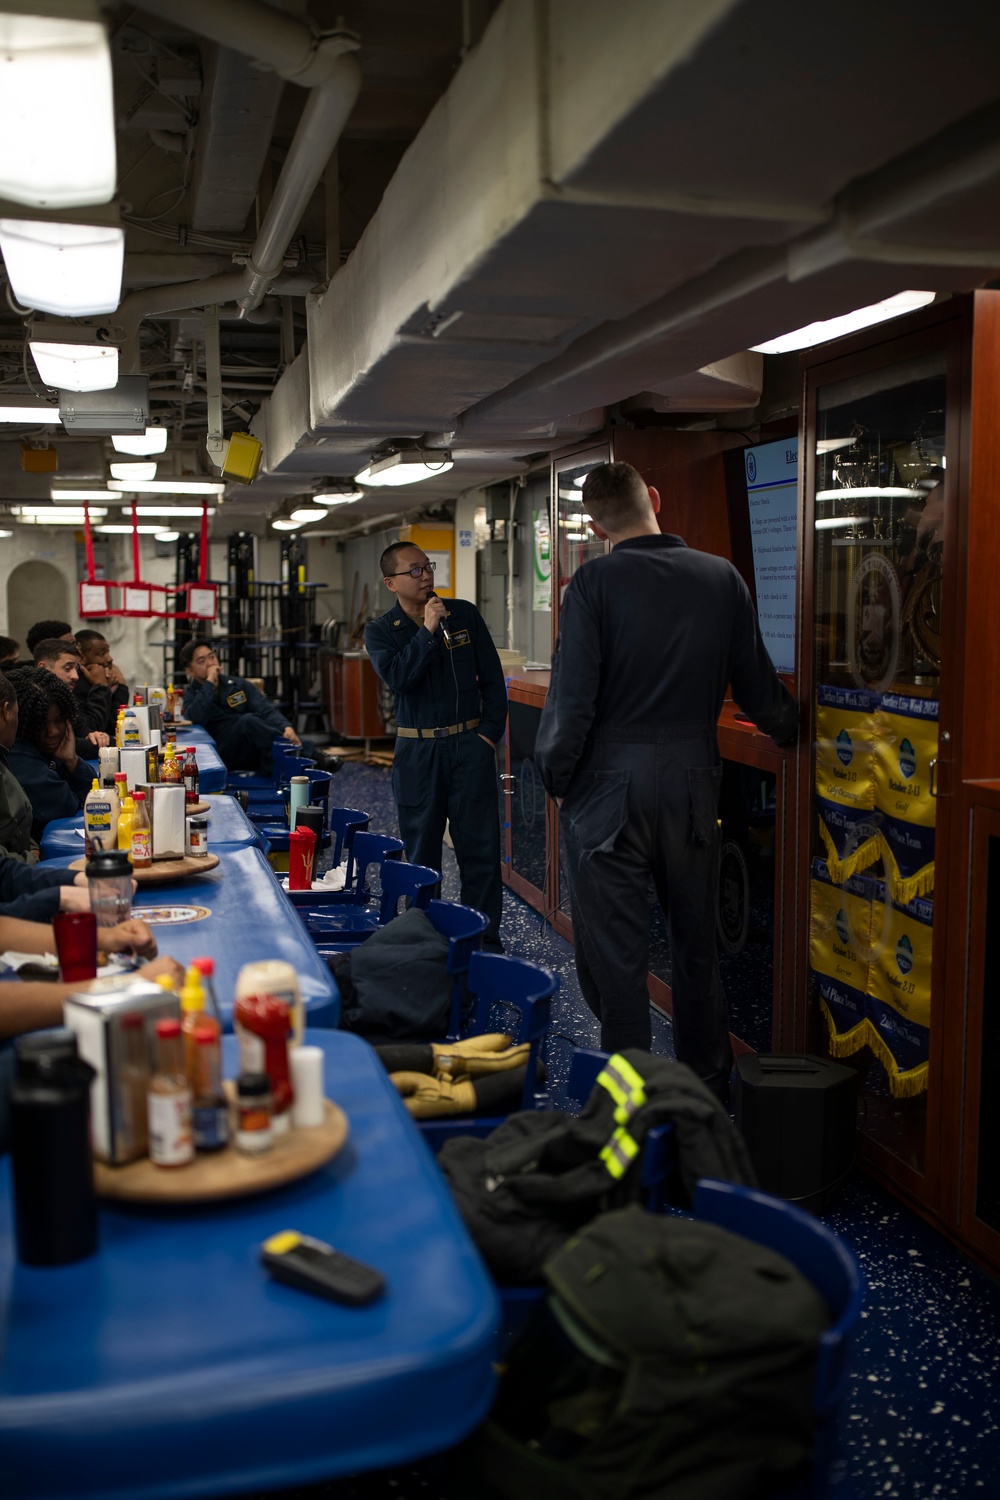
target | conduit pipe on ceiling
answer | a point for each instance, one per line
(326, 64)
(179, 297)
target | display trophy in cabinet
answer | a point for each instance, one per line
(902, 621)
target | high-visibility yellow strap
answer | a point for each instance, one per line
(619, 1154)
(625, 1085)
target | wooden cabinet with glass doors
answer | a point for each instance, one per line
(902, 618)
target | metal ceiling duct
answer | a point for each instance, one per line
(595, 209)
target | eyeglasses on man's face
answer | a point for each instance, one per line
(416, 572)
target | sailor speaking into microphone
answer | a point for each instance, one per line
(440, 662)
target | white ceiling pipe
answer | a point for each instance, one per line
(325, 64)
(179, 297)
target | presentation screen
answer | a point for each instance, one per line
(762, 486)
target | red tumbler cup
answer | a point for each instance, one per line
(76, 944)
(301, 854)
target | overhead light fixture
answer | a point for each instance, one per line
(170, 511)
(284, 523)
(57, 510)
(123, 409)
(309, 513)
(122, 530)
(338, 497)
(56, 111)
(408, 467)
(5, 534)
(72, 269)
(153, 440)
(26, 411)
(59, 493)
(167, 536)
(835, 328)
(126, 472)
(73, 357)
(167, 486)
(53, 515)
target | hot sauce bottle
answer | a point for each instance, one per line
(190, 776)
(171, 1142)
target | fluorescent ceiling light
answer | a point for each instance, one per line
(284, 524)
(133, 471)
(338, 497)
(59, 493)
(830, 445)
(836, 328)
(128, 530)
(72, 269)
(168, 486)
(153, 440)
(56, 112)
(76, 367)
(167, 536)
(309, 513)
(31, 414)
(404, 468)
(170, 511)
(5, 534)
(72, 512)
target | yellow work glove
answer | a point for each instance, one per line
(478, 1056)
(429, 1098)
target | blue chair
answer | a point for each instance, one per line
(339, 920)
(832, 1268)
(464, 927)
(345, 822)
(251, 781)
(496, 979)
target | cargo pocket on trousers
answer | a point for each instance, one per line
(703, 789)
(599, 810)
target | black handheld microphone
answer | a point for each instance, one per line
(444, 632)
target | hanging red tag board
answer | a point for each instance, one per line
(100, 598)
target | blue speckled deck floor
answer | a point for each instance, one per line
(923, 1418)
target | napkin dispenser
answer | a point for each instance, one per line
(167, 817)
(115, 1025)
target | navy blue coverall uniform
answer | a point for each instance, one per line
(451, 777)
(239, 718)
(650, 635)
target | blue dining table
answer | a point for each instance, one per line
(169, 1365)
(228, 827)
(234, 914)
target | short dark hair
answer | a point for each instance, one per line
(46, 630)
(52, 650)
(387, 562)
(7, 693)
(615, 496)
(36, 690)
(8, 647)
(85, 638)
(190, 647)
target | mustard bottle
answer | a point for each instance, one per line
(125, 826)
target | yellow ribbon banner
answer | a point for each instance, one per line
(871, 963)
(899, 990)
(906, 742)
(845, 779)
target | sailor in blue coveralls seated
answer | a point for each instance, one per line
(241, 721)
(451, 708)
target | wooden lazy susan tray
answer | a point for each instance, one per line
(163, 870)
(228, 1173)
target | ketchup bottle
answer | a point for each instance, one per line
(261, 1023)
(190, 776)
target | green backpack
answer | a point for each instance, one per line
(672, 1359)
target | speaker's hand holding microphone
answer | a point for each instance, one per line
(434, 615)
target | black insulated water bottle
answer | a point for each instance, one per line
(54, 1204)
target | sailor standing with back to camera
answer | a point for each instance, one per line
(649, 637)
(439, 660)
